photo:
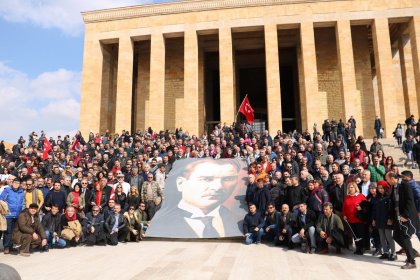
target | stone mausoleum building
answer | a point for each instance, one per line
(190, 63)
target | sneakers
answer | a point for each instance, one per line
(6, 251)
(409, 266)
(23, 254)
(312, 251)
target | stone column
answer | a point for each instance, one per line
(156, 112)
(192, 99)
(123, 104)
(351, 96)
(386, 88)
(309, 93)
(272, 68)
(90, 103)
(408, 78)
(227, 77)
(414, 29)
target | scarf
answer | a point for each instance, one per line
(71, 218)
(98, 198)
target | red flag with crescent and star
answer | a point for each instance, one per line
(247, 110)
(47, 148)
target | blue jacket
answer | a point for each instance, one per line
(15, 201)
(416, 193)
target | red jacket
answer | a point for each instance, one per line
(360, 155)
(349, 207)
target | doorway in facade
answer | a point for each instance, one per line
(289, 85)
(209, 45)
(289, 51)
(250, 73)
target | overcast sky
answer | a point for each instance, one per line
(41, 54)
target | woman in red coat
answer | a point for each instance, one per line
(350, 208)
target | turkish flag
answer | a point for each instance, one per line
(47, 148)
(76, 146)
(247, 110)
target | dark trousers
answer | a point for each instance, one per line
(7, 238)
(404, 241)
(152, 208)
(374, 234)
(95, 238)
(287, 238)
(119, 236)
(361, 231)
(322, 242)
(26, 241)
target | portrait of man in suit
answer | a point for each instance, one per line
(203, 199)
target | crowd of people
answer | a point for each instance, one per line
(318, 190)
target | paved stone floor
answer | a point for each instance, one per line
(158, 259)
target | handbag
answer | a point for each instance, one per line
(73, 229)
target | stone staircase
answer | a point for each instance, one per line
(392, 149)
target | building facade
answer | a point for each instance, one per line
(190, 63)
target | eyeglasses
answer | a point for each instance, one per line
(119, 187)
(131, 209)
(95, 210)
(84, 183)
(142, 206)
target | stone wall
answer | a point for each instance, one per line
(143, 85)
(328, 71)
(364, 78)
(174, 82)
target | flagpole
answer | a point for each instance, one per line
(236, 118)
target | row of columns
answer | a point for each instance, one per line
(228, 107)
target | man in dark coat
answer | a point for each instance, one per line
(377, 126)
(93, 227)
(116, 227)
(28, 231)
(52, 226)
(295, 194)
(405, 218)
(262, 196)
(306, 223)
(285, 227)
(250, 189)
(270, 223)
(253, 225)
(416, 153)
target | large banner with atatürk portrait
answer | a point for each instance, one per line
(204, 198)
